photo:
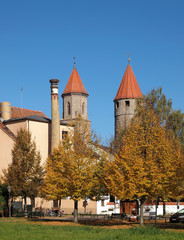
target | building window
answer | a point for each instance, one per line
(127, 103)
(55, 203)
(117, 105)
(64, 134)
(76, 113)
(68, 108)
(83, 106)
(102, 203)
(112, 198)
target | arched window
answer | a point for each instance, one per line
(68, 108)
(83, 106)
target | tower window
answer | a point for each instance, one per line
(68, 108)
(83, 105)
(117, 105)
(127, 103)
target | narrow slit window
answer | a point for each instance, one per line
(83, 106)
(68, 108)
(117, 105)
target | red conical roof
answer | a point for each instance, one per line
(75, 84)
(129, 87)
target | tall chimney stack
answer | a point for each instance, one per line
(55, 121)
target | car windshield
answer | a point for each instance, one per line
(181, 211)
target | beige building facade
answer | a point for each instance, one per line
(47, 133)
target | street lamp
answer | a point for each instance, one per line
(9, 191)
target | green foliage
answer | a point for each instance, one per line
(24, 174)
(158, 101)
(175, 123)
(169, 118)
(3, 198)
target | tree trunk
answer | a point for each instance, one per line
(76, 211)
(164, 208)
(156, 206)
(141, 213)
(25, 206)
(59, 211)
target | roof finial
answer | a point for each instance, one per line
(128, 59)
(74, 63)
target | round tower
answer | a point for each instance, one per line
(55, 121)
(125, 100)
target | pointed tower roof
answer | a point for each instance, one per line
(129, 87)
(74, 84)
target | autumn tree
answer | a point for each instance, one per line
(25, 173)
(73, 170)
(149, 164)
(3, 198)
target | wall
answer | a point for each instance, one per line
(109, 207)
(171, 207)
(6, 145)
(76, 101)
(16, 126)
(123, 114)
(40, 134)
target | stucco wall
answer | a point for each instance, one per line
(67, 205)
(16, 126)
(40, 134)
(6, 145)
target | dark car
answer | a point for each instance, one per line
(178, 217)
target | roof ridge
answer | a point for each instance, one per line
(27, 109)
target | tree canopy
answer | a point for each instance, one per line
(149, 162)
(73, 169)
(25, 173)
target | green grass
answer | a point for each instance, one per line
(26, 231)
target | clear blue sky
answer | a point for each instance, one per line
(38, 39)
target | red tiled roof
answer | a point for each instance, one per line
(22, 112)
(75, 84)
(129, 87)
(7, 131)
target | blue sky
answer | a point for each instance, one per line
(38, 39)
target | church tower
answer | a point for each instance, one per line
(74, 98)
(125, 100)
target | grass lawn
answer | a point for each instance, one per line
(24, 230)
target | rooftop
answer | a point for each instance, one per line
(74, 84)
(129, 87)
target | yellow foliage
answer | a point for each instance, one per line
(149, 163)
(72, 169)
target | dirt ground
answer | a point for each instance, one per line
(112, 224)
(115, 224)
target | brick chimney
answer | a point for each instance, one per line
(55, 121)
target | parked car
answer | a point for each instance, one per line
(178, 216)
